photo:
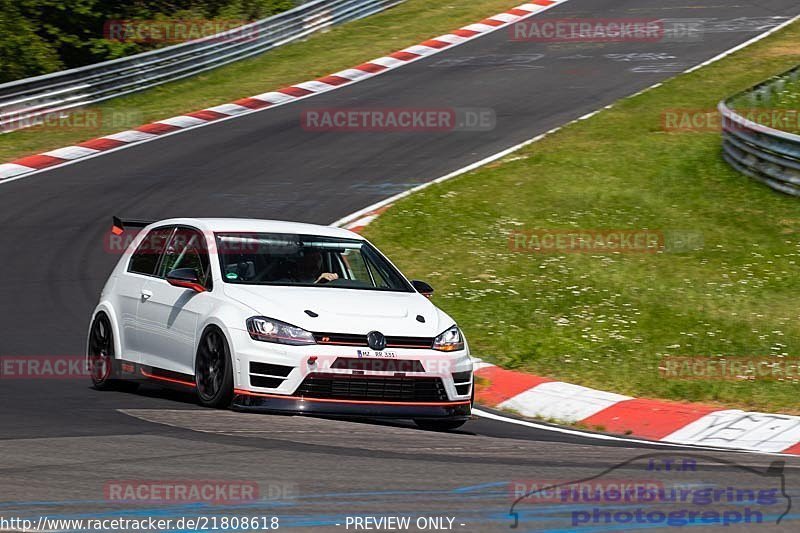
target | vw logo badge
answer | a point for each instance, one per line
(376, 340)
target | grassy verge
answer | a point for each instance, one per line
(608, 320)
(322, 54)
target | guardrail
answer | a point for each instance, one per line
(22, 101)
(758, 151)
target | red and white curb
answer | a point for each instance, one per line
(358, 225)
(94, 147)
(669, 422)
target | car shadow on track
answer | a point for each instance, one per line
(183, 399)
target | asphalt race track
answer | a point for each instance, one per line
(61, 442)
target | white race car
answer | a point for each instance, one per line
(278, 316)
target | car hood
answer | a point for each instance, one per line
(344, 310)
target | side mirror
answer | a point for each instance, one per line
(422, 288)
(186, 278)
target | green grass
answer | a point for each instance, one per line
(607, 320)
(320, 55)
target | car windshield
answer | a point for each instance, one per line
(305, 260)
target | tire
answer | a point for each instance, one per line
(100, 357)
(213, 370)
(439, 425)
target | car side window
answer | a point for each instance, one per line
(145, 258)
(382, 273)
(356, 267)
(187, 249)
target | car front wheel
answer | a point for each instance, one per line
(213, 370)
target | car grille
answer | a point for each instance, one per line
(378, 365)
(373, 388)
(346, 339)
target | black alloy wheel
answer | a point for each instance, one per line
(213, 370)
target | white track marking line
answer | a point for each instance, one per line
(377, 205)
(743, 45)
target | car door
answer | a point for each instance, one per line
(169, 316)
(129, 288)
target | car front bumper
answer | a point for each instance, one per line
(351, 381)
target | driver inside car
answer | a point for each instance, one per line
(310, 269)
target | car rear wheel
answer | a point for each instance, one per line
(213, 370)
(101, 357)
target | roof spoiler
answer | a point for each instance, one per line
(120, 224)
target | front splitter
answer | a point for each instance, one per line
(350, 408)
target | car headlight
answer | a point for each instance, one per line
(450, 341)
(270, 330)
